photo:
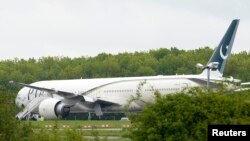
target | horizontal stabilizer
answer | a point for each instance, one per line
(245, 83)
(242, 89)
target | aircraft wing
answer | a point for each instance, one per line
(69, 97)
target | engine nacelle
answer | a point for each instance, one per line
(52, 108)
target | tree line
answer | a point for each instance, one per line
(162, 61)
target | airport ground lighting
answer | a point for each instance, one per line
(213, 66)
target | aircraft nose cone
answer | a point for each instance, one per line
(20, 98)
(17, 102)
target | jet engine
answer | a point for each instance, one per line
(52, 108)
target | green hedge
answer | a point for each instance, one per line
(179, 117)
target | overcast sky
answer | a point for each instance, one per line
(74, 28)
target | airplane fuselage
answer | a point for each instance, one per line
(118, 90)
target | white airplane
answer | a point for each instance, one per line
(51, 99)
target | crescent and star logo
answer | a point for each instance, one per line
(221, 53)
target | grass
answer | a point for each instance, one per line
(80, 124)
(95, 128)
